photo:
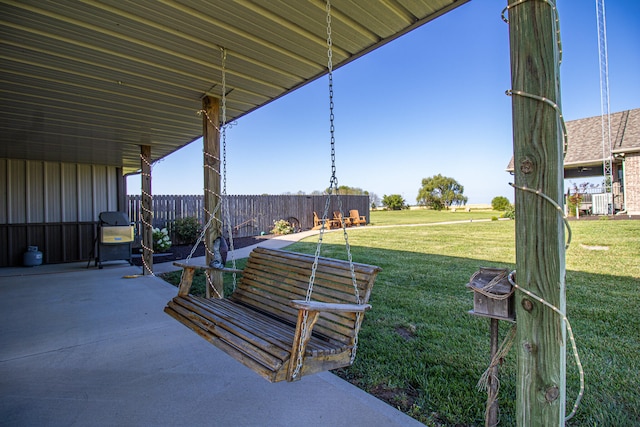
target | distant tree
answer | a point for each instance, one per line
(350, 191)
(439, 192)
(374, 199)
(500, 203)
(394, 202)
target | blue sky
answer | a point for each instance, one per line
(431, 102)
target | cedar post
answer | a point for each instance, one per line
(146, 210)
(540, 258)
(211, 143)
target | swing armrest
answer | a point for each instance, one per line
(329, 306)
(227, 270)
(187, 265)
(313, 309)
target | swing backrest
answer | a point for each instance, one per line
(272, 278)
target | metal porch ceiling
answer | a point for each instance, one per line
(90, 81)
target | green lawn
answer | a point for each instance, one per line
(426, 216)
(422, 352)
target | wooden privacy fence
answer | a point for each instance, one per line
(249, 215)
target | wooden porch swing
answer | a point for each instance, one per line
(270, 323)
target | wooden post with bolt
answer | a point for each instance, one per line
(540, 257)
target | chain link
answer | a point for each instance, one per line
(333, 189)
(225, 198)
(222, 175)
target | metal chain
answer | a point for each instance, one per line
(225, 198)
(334, 181)
(223, 176)
(333, 187)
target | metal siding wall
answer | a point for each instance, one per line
(4, 245)
(54, 241)
(85, 194)
(35, 192)
(40, 203)
(69, 202)
(53, 193)
(111, 188)
(16, 244)
(4, 190)
(16, 192)
(100, 191)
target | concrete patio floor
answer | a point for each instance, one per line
(85, 346)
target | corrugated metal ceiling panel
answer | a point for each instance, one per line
(90, 81)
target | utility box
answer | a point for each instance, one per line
(115, 236)
(492, 294)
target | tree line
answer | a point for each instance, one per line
(437, 192)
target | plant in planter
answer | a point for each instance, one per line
(161, 241)
(282, 226)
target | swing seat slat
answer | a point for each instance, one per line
(259, 323)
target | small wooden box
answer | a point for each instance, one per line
(492, 294)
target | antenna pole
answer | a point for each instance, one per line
(607, 158)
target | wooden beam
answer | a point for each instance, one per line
(212, 185)
(146, 210)
(540, 257)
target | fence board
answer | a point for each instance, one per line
(249, 215)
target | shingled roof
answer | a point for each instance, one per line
(585, 138)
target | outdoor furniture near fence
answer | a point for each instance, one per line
(341, 220)
(262, 323)
(329, 223)
(357, 219)
(249, 215)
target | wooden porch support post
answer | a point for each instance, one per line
(146, 210)
(212, 185)
(540, 238)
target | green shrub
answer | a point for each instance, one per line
(187, 229)
(510, 212)
(394, 202)
(282, 226)
(500, 203)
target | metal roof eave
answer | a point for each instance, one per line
(117, 75)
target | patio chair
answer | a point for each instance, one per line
(356, 218)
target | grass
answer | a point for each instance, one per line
(420, 350)
(426, 216)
